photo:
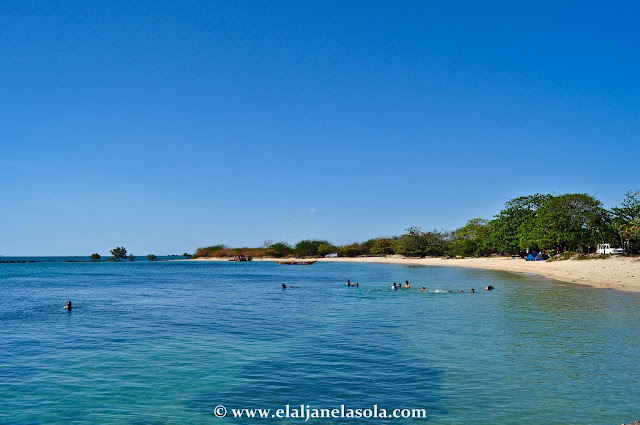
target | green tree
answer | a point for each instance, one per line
(629, 208)
(352, 250)
(509, 230)
(472, 238)
(95, 257)
(131, 257)
(326, 248)
(308, 247)
(566, 222)
(280, 249)
(382, 246)
(627, 220)
(411, 244)
(151, 257)
(186, 255)
(118, 253)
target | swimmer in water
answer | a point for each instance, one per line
(489, 288)
(394, 287)
(473, 291)
(406, 284)
(423, 289)
(68, 306)
(348, 283)
(284, 286)
(357, 284)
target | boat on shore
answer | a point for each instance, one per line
(242, 258)
(296, 262)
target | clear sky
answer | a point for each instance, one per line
(163, 126)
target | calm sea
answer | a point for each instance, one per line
(167, 342)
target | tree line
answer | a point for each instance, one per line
(551, 223)
(120, 253)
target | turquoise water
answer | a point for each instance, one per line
(159, 343)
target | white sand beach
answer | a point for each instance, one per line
(621, 273)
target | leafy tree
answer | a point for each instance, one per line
(382, 246)
(629, 208)
(627, 218)
(326, 248)
(510, 229)
(308, 247)
(437, 243)
(352, 250)
(151, 257)
(95, 257)
(280, 249)
(412, 243)
(569, 221)
(131, 257)
(118, 253)
(472, 238)
(186, 255)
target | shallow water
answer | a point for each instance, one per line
(151, 343)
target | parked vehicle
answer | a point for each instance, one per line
(605, 248)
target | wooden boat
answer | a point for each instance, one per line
(296, 262)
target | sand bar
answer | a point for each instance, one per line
(622, 273)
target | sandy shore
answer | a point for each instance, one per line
(622, 273)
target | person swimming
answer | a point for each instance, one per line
(473, 291)
(406, 284)
(423, 289)
(284, 286)
(357, 284)
(348, 283)
(489, 288)
(395, 286)
(68, 306)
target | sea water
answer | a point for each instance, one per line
(168, 342)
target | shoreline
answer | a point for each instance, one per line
(620, 273)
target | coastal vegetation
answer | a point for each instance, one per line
(573, 223)
(118, 253)
(151, 257)
(95, 256)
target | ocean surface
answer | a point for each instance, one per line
(168, 342)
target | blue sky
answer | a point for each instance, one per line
(165, 126)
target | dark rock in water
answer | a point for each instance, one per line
(632, 423)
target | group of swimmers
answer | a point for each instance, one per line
(473, 291)
(407, 285)
(399, 286)
(395, 286)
